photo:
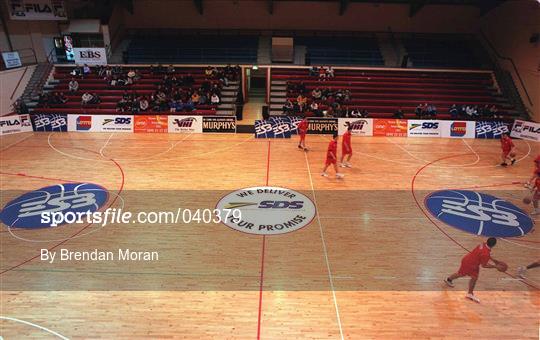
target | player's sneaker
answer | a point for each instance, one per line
(339, 176)
(472, 297)
(521, 272)
(342, 165)
(306, 149)
(513, 161)
(300, 146)
(449, 282)
(324, 174)
(504, 164)
(348, 165)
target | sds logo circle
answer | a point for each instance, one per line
(267, 210)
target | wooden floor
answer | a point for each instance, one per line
(370, 266)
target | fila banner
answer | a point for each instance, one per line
(15, 124)
(457, 129)
(90, 55)
(423, 128)
(36, 10)
(360, 126)
(526, 130)
(185, 124)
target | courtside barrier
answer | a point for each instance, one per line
(526, 130)
(15, 124)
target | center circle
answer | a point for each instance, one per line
(266, 210)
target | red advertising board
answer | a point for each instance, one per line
(153, 124)
(390, 127)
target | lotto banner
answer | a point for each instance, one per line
(423, 128)
(151, 124)
(360, 126)
(390, 127)
(49, 122)
(100, 123)
(15, 124)
(457, 129)
(526, 130)
(491, 130)
(185, 124)
(326, 126)
(219, 124)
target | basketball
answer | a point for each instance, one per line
(527, 200)
(512, 154)
(502, 267)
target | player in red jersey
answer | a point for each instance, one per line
(470, 266)
(507, 145)
(346, 147)
(302, 130)
(530, 183)
(536, 192)
(331, 157)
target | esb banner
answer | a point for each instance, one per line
(100, 123)
(49, 122)
(90, 55)
(491, 130)
(36, 10)
(326, 126)
(185, 124)
(390, 127)
(151, 124)
(359, 126)
(423, 128)
(457, 129)
(275, 127)
(11, 59)
(219, 124)
(526, 130)
(15, 124)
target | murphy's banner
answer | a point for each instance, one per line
(219, 124)
(36, 10)
(90, 55)
(15, 124)
(526, 130)
(359, 126)
(322, 126)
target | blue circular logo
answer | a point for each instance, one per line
(35, 209)
(478, 213)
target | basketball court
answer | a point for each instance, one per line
(369, 264)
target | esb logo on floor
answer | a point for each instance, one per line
(423, 128)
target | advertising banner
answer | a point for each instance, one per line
(390, 127)
(219, 124)
(36, 10)
(90, 55)
(457, 129)
(50, 122)
(423, 128)
(11, 59)
(100, 123)
(360, 126)
(185, 124)
(491, 130)
(275, 127)
(151, 124)
(326, 126)
(15, 124)
(526, 130)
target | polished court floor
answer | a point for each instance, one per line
(370, 265)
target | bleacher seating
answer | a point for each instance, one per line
(341, 50)
(111, 95)
(382, 92)
(440, 52)
(200, 49)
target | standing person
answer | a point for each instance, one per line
(346, 148)
(522, 270)
(507, 146)
(535, 190)
(331, 157)
(470, 266)
(302, 131)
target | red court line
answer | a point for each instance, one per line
(78, 232)
(435, 224)
(261, 280)
(38, 177)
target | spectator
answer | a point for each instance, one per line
(288, 107)
(208, 72)
(86, 98)
(418, 111)
(86, 69)
(301, 100)
(313, 71)
(322, 74)
(398, 114)
(453, 111)
(43, 99)
(214, 100)
(314, 107)
(143, 104)
(170, 70)
(195, 98)
(301, 88)
(77, 71)
(73, 85)
(316, 93)
(329, 71)
(131, 74)
(19, 107)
